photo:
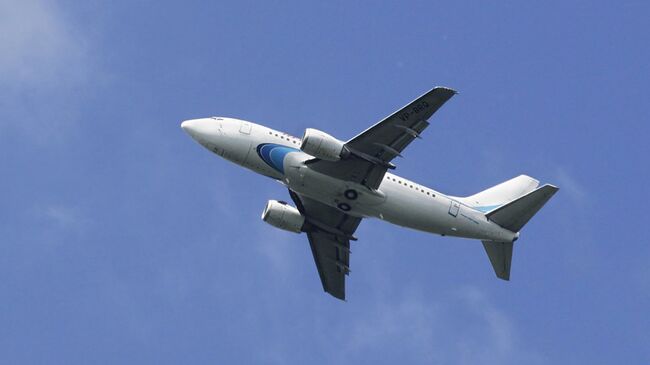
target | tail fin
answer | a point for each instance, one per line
(500, 255)
(513, 216)
(498, 195)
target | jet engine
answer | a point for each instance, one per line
(284, 216)
(322, 145)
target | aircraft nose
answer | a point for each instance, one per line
(205, 131)
(190, 126)
(199, 129)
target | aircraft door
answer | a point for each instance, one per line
(454, 206)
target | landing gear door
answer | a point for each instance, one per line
(454, 206)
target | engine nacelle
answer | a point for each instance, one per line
(284, 216)
(322, 145)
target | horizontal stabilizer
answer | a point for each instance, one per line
(500, 254)
(517, 213)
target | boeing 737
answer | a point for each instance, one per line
(336, 184)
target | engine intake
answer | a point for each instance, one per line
(284, 216)
(322, 145)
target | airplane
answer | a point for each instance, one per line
(336, 184)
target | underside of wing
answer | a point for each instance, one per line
(332, 259)
(329, 232)
(372, 151)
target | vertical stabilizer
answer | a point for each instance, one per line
(500, 255)
(513, 216)
(498, 195)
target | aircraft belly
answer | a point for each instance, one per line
(349, 197)
(408, 208)
(408, 211)
(396, 204)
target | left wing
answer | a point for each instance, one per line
(372, 150)
(329, 231)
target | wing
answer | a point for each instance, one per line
(372, 150)
(329, 232)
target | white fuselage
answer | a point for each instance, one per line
(396, 200)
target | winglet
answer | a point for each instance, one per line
(454, 92)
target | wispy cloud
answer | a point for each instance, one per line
(43, 64)
(37, 45)
(582, 255)
(61, 215)
(65, 218)
(570, 186)
(409, 321)
(463, 328)
(277, 247)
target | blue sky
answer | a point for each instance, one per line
(123, 241)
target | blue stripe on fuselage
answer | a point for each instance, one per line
(486, 208)
(273, 154)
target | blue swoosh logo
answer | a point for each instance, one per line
(273, 154)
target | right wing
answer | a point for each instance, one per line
(373, 149)
(329, 233)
